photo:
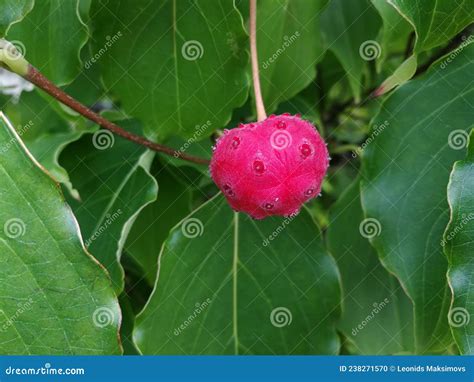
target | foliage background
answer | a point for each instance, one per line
(381, 263)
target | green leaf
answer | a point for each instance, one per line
(55, 298)
(225, 287)
(395, 31)
(87, 86)
(173, 64)
(113, 181)
(458, 246)
(12, 12)
(350, 29)
(156, 220)
(289, 47)
(377, 314)
(435, 22)
(192, 146)
(51, 37)
(305, 104)
(406, 170)
(46, 130)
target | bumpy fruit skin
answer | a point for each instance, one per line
(270, 167)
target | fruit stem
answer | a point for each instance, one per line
(261, 114)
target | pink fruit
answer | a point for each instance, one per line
(270, 167)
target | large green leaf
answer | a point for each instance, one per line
(230, 285)
(13, 11)
(289, 47)
(55, 299)
(435, 22)
(458, 246)
(114, 184)
(173, 64)
(406, 170)
(155, 221)
(87, 86)
(377, 315)
(51, 37)
(46, 130)
(350, 29)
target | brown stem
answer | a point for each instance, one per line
(37, 78)
(261, 114)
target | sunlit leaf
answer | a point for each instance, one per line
(230, 285)
(458, 245)
(55, 298)
(173, 64)
(406, 171)
(51, 37)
